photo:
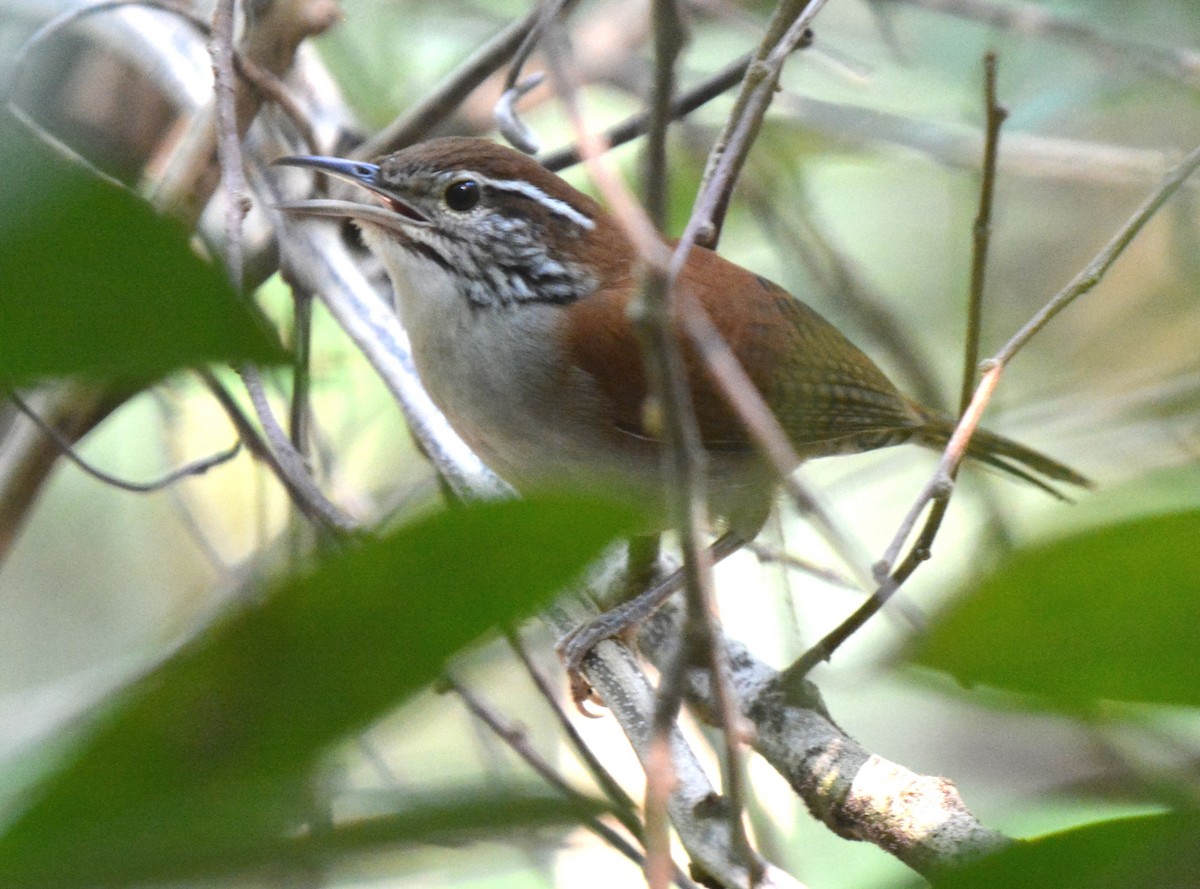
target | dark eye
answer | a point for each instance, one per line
(462, 195)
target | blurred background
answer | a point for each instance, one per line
(859, 197)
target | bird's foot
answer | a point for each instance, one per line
(621, 621)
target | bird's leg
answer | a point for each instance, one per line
(627, 616)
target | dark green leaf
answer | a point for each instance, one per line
(93, 282)
(206, 757)
(1150, 852)
(1108, 613)
(460, 814)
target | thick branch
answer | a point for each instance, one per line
(919, 819)
(694, 806)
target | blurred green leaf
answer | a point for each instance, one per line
(1107, 613)
(206, 757)
(458, 814)
(95, 283)
(1149, 852)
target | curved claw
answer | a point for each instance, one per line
(619, 621)
(624, 619)
(572, 649)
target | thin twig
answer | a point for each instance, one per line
(681, 454)
(771, 555)
(685, 468)
(300, 420)
(510, 124)
(547, 12)
(299, 417)
(67, 448)
(248, 432)
(668, 44)
(290, 464)
(788, 29)
(636, 125)
(519, 134)
(1095, 270)
(271, 88)
(1030, 155)
(982, 230)
(1033, 156)
(683, 465)
(765, 430)
(995, 115)
(624, 808)
(241, 422)
(518, 741)
(441, 101)
(289, 457)
(934, 489)
(655, 755)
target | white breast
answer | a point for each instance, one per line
(493, 371)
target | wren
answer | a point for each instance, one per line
(514, 288)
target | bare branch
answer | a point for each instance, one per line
(27, 456)
(859, 795)
(624, 808)
(269, 42)
(982, 230)
(787, 30)
(936, 490)
(305, 492)
(770, 555)
(67, 448)
(636, 125)
(444, 98)
(694, 807)
(229, 143)
(517, 740)
(682, 453)
(1095, 270)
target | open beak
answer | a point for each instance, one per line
(394, 215)
(358, 172)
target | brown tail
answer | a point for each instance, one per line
(1005, 454)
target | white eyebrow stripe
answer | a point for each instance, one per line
(554, 205)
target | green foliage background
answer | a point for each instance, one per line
(1074, 626)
